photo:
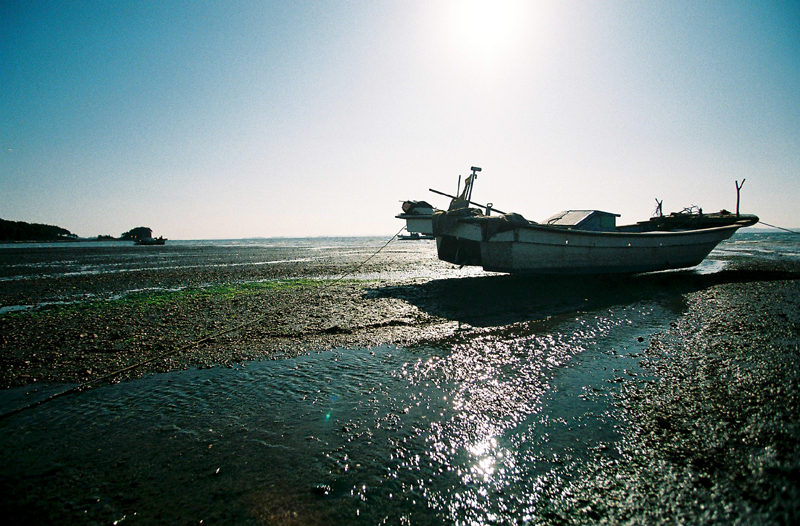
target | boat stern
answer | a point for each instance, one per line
(418, 216)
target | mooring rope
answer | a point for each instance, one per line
(340, 278)
(780, 228)
(194, 343)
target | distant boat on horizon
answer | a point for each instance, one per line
(151, 241)
(414, 236)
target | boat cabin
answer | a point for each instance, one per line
(419, 217)
(592, 220)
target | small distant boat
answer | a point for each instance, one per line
(571, 242)
(151, 241)
(414, 236)
(418, 216)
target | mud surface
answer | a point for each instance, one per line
(160, 316)
(162, 319)
(715, 437)
(710, 436)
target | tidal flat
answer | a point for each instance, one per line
(290, 382)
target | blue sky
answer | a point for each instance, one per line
(247, 119)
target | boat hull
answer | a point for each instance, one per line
(536, 249)
(151, 241)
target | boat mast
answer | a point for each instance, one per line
(738, 190)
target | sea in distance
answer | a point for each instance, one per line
(486, 428)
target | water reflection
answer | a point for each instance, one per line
(476, 430)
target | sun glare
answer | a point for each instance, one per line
(486, 28)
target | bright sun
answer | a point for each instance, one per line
(486, 28)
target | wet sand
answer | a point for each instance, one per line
(211, 316)
(716, 424)
(217, 319)
(717, 429)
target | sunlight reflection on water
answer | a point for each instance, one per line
(471, 431)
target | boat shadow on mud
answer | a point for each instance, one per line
(489, 301)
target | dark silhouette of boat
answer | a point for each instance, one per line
(151, 241)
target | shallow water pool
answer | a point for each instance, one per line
(480, 429)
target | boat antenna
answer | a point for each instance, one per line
(659, 210)
(458, 186)
(738, 190)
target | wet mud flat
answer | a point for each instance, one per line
(715, 438)
(159, 319)
(713, 435)
(156, 318)
(709, 426)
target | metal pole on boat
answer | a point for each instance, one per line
(474, 169)
(458, 187)
(470, 202)
(738, 190)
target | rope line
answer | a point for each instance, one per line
(780, 228)
(340, 278)
(87, 384)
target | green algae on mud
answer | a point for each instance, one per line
(233, 323)
(160, 298)
(215, 292)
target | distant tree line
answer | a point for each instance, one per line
(22, 231)
(11, 231)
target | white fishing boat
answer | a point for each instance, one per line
(571, 242)
(151, 241)
(414, 236)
